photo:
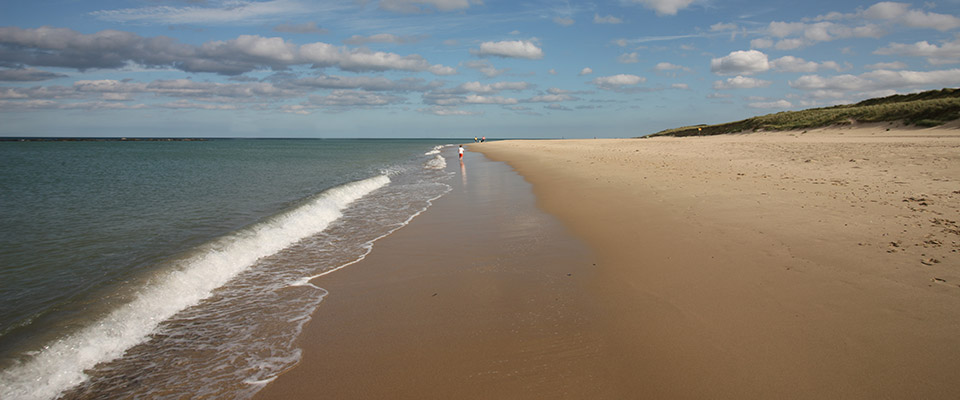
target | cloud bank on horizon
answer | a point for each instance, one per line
(442, 68)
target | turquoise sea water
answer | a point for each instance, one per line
(187, 258)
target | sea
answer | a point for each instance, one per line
(182, 269)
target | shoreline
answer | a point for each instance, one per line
(763, 265)
(480, 296)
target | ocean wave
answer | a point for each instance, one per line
(61, 365)
(438, 162)
(435, 150)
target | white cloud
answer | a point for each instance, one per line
(740, 63)
(585, 71)
(442, 99)
(359, 60)
(681, 86)
(354, 98)
(109, 86)
(211, 91)
(510, 49)
(664, 7)
(839, 82)
(367, 83)
(781, 29)
(563, 21)
(794, 64)
(419, 6)
(722, 27)
(221, 12)
(790, 44)
(477, 99)
(550, 98)
(874, 22)
(272, 49)
(442, 70)
(880, 80)
(902, 14)
(779, 104)
(665, 66)
(761, 43)
(475, 93)
(740, 82)
(886, 10)
(948, 52)
(485, 68)
(111, 49)
(497, 87)
(629, 58)
(808, 34)
(617, 82)
(609, 19)
(93, 93)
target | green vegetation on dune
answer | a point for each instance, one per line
(931, 108)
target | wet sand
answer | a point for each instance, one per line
(479, 297)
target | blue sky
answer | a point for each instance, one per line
(453, 68)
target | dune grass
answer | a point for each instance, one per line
(926, 109)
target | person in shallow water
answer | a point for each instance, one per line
(461, 151)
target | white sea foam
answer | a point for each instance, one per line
(435, 150)
(61, 364)
(368, 246)
(437, 162)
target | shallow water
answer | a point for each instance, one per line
(185, 258)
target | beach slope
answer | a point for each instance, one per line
(479, 297)
(820, 264)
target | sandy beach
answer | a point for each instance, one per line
(479, 297)
(817, 264)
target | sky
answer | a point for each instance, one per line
(453, 68)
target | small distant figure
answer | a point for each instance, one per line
(475, 140)
(461, 152)
(483, 139)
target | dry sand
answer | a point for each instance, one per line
(821, 264)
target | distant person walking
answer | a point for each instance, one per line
(483, 139)
(461, 152)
